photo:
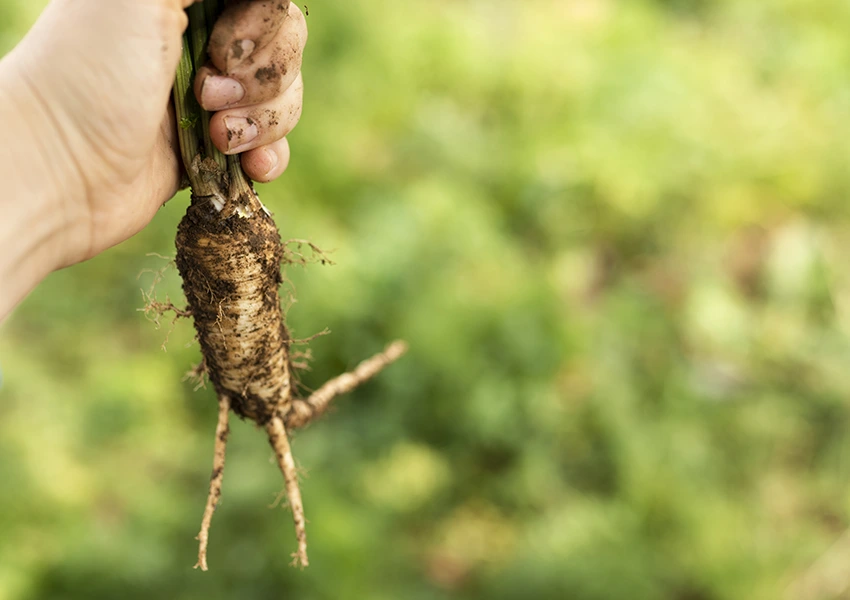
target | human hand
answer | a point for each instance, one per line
(92, 81)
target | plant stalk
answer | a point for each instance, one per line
(211, 173)
(201, 19)
(186, 107)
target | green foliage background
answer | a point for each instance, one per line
(615, 235)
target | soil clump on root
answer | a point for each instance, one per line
(229, 254)
(230, 261)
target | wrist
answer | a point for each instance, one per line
(43, 201)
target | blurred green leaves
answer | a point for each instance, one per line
(614, 234)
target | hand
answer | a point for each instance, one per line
(92, 83)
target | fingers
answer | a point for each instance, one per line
(268, 162)
(255, 54)
(241, 129)
(253, 81)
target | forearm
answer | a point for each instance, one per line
(34, 217)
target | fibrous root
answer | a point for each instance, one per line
(301, 413)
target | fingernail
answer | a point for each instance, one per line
(238, 52)
(219, 92)
(273, 159)
(240, 132)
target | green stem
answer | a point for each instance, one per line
(194, 129)
(186, 107)
(199, 16)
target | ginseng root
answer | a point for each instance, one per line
(231, 274)
(229, 254)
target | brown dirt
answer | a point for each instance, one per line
(231, 275)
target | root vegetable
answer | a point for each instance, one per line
(229, 254)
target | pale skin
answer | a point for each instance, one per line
(89, 151)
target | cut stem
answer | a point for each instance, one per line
(207, 177)
(186, 107)
(201, 17)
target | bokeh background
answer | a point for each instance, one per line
(616, 236)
